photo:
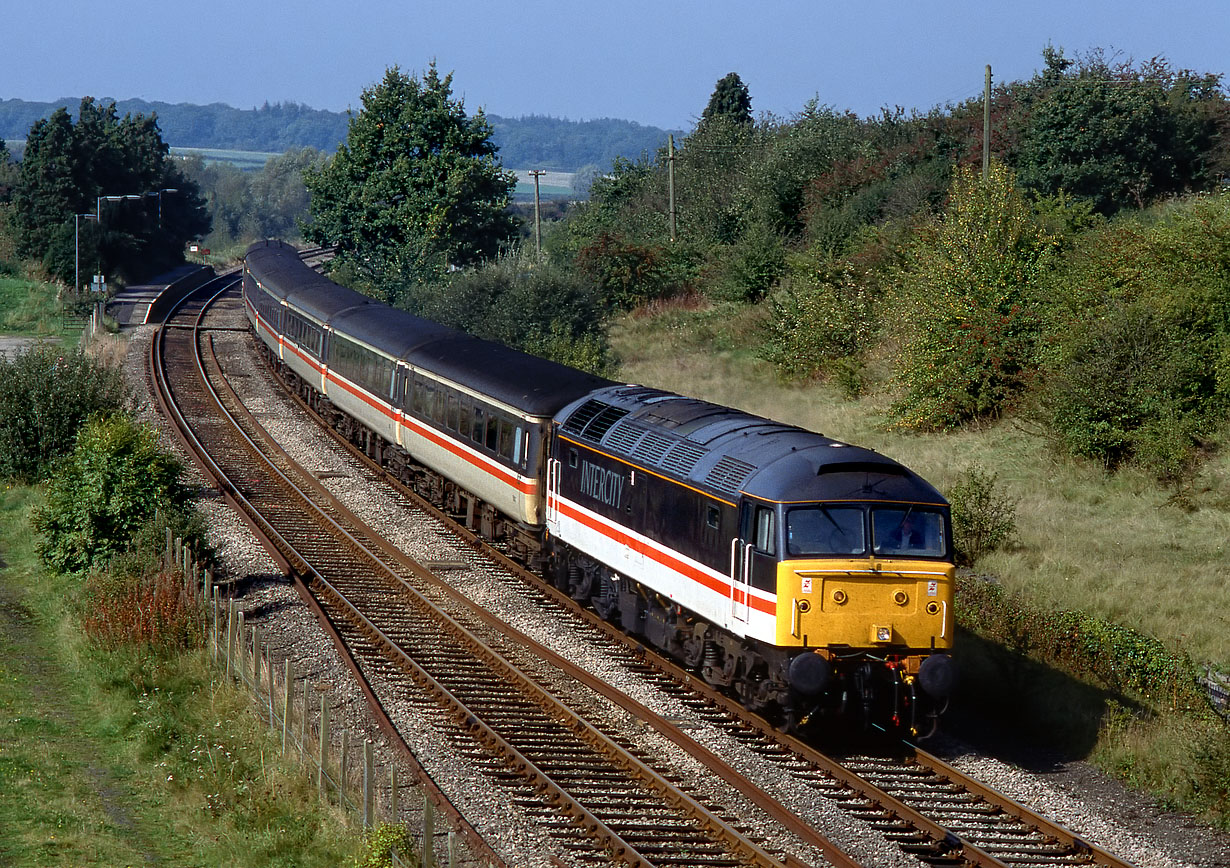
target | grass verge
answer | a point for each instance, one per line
(119, 758)
(29, 308)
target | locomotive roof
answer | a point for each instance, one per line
(727, 451)
(536, 386)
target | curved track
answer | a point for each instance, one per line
(931, 809)
(597, 797)
(379, 602)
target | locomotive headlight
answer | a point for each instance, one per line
(900, 597)
(839, 596)
(933, 608)
(882, 634)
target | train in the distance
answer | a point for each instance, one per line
(805, 576)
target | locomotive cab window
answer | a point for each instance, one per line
(825, 530)
(764, 530)
(908, 532)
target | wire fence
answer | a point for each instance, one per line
(344, 767)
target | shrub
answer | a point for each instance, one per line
(112, 482)
(746, 270)
(542, 310)
(381, 841)
(46, 393)
(1139, 369)
(967, 319)
(822, 322)
(629, 273)
(983, 517)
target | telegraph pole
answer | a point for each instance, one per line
(986, 128)
(670, 175)
(537, 173)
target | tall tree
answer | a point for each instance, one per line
(730, 100)
(68, 166)
(1118, 135)
(416, 188)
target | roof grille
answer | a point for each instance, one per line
(653, 446)
(582, 415)
(602, 423)
(729, 474)
(624, 437)
(683, 457)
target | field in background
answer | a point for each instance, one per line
(246, 160)
(1120, 546)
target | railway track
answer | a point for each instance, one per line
(598, 798)
(929, 809)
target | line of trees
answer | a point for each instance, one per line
(1082, 283)
(103, 187)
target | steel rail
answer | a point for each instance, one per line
(617, 846)
(943, 837)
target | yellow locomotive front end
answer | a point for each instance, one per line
(866, 592)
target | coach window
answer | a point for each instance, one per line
(493, 427)
(416, 396)
(480, 425)
(429, 400)
(517, 452)
(506, 439)
(439, 412)
(452, 413)
(465, 423)
(572, 458)
(713, 516)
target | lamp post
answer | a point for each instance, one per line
(159, 193)
(77, 247)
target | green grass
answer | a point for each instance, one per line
(129, 758)
(29, 308)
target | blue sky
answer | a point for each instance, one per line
(651, 61)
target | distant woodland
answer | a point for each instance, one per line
(536, 141)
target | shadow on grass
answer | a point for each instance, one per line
(1023, 711)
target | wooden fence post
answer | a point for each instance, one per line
(369, 785)
(324, 743)
(429, 831)
(287, 683)
(343, 763)
(256, 662)
(303, 722)
(231, 618)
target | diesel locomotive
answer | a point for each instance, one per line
(808, 577)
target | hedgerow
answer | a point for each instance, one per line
(1119, 658)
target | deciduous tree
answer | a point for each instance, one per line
(416, 188)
